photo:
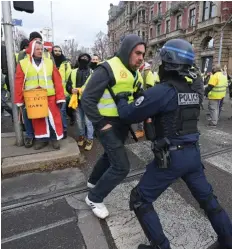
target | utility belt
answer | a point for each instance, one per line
(162, 148)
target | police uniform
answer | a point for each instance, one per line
(175, 110)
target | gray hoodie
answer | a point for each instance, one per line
(103, 76)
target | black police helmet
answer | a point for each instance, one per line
(177, 51)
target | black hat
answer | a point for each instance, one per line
(34, 35)
(24, 43)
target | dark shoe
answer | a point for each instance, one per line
(145, 247)
(56, 144)
(65, 134)
(28, 142)
(40, 145)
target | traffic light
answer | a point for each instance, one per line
(26, 6)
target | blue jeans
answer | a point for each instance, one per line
(27, 124)
(113, 166)
(185, 164)
(82, 121)
(64, 116)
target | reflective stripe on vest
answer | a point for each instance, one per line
(219, 91)
(34, 79)
(125, 82)
(63, 70)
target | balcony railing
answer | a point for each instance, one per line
(176, 33)
(177, 7)
(157, 39)
(157, 18)
(209, 22)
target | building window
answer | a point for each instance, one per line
(192, 17)
(209, 10)
(158, 27)
(151, 14)
(159, 7)
(178, 22)
(167, 26)
(139, 33)
(143, 36)
(150, 33)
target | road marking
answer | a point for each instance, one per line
(223, 161)
(38, 230)
(184, 226)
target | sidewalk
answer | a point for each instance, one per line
(20, 159)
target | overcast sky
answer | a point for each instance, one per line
(78, 19)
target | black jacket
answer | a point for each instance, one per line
(99, 80)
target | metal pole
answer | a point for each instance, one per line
(220, 49)
(221, 40)
(52, 25)
(7, 23)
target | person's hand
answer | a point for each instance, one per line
(123, 95)
(74, 90)
(106, 127)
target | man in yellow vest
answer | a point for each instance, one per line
(215, 91)
(64, 68)
(118, 74)
(36, 72)
(148, 81)
(76, 80)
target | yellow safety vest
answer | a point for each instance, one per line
(149, 78)
(65, 71)
(219, 90)
(34, 79)
(125, 82)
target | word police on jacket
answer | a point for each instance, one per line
(188, 99)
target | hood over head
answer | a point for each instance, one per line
(31, 48)
(128, 44)
(83, 64)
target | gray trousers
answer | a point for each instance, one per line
(213, 106)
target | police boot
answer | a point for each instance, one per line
(142, 246)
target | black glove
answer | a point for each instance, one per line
(122, 95)
(138, 93)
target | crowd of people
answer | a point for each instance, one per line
(38, 68)
(73, 77)
(114, 94)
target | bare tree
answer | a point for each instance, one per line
(70, 50)
(101, 45)
(19, 35)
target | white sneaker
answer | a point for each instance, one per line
(99, 209)
(90, 185)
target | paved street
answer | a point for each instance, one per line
(66, 222)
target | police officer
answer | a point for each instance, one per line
(175, 108)
(118, 74)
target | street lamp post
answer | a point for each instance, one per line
(221, 40)
(7, 23)
(52, 25)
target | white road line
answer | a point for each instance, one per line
(38, 230)
(184, 226)
(223, 161)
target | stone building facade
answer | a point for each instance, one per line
(156, 22)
